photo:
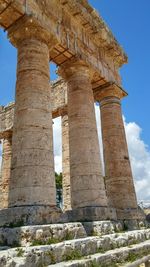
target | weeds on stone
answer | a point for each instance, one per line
(131, 257)
(49, 241)
(73, 255)
(100, 250)
(20, 252)
(94, 233)
(68, 236)
(51, 256)
(95, 264)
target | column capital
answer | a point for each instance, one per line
(30, 28)
(75, 65)
(110, 89)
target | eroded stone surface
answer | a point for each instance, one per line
(66, 163)
(55, 253)
(86, 180)
(118, 175)
(32, 171)
(25, 235)
(5, 170)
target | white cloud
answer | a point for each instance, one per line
(57, 144)
(140, 160)
(139, 155)
(138, 150)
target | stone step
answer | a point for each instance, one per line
(121, 257)
(43, 255)
(41, 234)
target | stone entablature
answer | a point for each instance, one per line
(75, 29)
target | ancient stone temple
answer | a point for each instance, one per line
(74, 36)
(71, 34)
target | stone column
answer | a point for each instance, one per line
(5, 170)
(119, 180)
(147, 264)
(32, 170)
(66, 163)
(86, 180)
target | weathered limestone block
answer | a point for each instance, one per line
(6, 119)
(59, 98)
(119, 180)
(5, 170)
(66, 163)
(86, 181)
(32, 180)
(105, 249)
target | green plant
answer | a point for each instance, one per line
(20, 252)
(72, 255)
(51, 256)
(101, 250)
(94, 233)
(95, 264)
(58, 178)
(49, 241)
(132, 257)
(68, 236)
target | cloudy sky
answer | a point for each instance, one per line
(130, 23)
(138, 150)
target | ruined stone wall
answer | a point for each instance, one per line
(59, 107)
(6, 118)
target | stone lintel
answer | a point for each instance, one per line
(109, 89)
(95, 44)
(11, 11)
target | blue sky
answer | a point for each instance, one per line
(129, 20)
